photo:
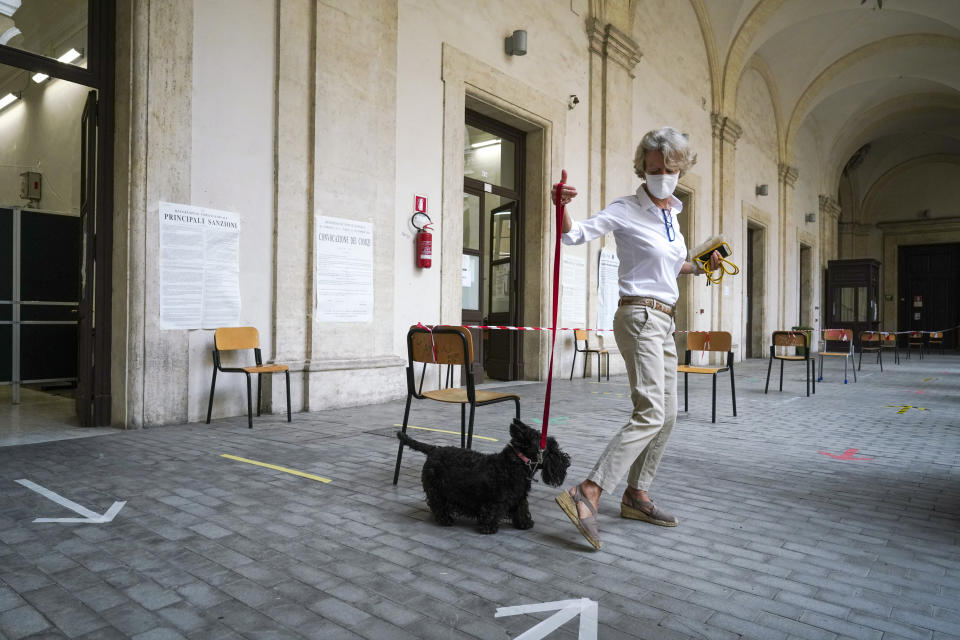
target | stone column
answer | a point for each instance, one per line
(154, 79)
(726, 132)
(788, 178)
(613, 57)
(293, 212)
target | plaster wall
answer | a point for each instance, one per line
(232, 169)
(756, 163)
(521, 91)
(41, 132)
(806, 200)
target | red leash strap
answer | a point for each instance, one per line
(556, 298)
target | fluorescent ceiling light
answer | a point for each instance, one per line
(70, 56)
(40, 77)
(485, 143)
(7, 99)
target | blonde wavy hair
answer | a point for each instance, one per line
(674, 146)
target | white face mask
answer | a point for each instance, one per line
(662, 185)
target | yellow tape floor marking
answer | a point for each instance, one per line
(275, 467)
(456, 433)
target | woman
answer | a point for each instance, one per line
(652, 254)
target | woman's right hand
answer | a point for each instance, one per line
(568, 192)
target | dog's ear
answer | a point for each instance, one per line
(554, 465)
(518, 430)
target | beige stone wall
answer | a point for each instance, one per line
(349, 109)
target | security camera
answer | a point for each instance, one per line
(573, 101)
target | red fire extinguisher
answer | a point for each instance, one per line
(425, 246)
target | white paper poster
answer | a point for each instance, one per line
(573, 304)
(608, 277)
(344, 276)
(199, 267)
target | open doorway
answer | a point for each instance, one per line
(755, 340)
(55, 194)
(805, 314)
(492, 265)
(682, 315)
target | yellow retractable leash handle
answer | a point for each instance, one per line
(726, 266)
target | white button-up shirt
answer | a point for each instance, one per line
(649, 261)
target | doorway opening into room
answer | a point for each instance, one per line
(805, 313)
(682, 316)
(492, 264)
(756, 341)
(56, 133)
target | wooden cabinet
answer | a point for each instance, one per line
(853, 296)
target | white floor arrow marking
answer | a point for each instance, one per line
(566, 610)
(89, 517)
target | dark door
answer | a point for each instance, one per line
(929, 278)
(88, 214)
(500, 346)
(471, 275)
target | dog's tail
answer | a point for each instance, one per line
(414, 444)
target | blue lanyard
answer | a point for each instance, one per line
(668, 225)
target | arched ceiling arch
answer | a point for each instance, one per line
(848, 72)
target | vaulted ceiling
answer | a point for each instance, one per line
(883, 73)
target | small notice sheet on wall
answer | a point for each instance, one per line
(608, 277)
(574, 279)
(344, 276)
(199, 267)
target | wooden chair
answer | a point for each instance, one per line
(888, 340)
(837, 343)
(916, 339)
(235, 339)
(709, 341)
(871, 341)
(448, 345)
(578, 335)
(785, 340)
(935, 338)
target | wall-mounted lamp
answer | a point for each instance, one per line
(67, 58)
(516, 44)
(810, 217)
(8, 99)
(762, 190)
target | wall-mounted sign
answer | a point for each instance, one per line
(419, 204)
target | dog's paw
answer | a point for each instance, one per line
(523, 524)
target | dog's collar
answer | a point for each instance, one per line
(520, 455)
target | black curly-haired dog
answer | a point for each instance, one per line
(488, 487)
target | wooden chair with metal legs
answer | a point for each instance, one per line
(449, 345)
(837, 343)
(581, 334)
(935, 338)
(785, 340)
(236, 339)
(707, 342)
(870, 341)
(888, 340)
(918, 340)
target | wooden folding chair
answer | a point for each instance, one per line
(448, 345)
(785, 340)
(235, 339)
(888, 340)
(578, 335)
(837, 343)
(871, 341)
(706, 342)
(935, 338)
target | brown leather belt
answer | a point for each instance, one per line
(653, 303)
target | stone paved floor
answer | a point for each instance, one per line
(776, 540)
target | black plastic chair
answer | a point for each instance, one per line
(871, 341)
